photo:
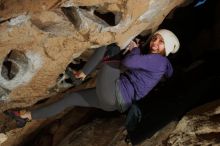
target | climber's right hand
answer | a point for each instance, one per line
(79, 75)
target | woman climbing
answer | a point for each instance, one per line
(115, 90)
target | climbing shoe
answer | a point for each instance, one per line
(9, 120)
(15, 115)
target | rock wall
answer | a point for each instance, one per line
(39, 39)
(201, 126)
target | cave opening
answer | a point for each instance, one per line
(107, 16)
(9, 69)
(14, 62)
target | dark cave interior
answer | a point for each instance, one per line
(196, 78)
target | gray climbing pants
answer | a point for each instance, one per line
(102, 97)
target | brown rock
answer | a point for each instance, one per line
(201, 126)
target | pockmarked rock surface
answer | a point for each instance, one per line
(200, 126)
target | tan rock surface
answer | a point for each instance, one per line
(201, 126)
(44, 39)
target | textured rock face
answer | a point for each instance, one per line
(39, 39)
(199, 127)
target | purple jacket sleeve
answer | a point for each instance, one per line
(169, 71)
(152, 62)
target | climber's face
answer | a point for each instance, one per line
(157, 44)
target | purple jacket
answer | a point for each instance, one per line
(144, 72)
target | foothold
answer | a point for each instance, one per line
(18, 68)
(3, 94)
(18, 20)
(3, 138)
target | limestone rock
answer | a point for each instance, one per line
(201, 126)
(3, 138)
